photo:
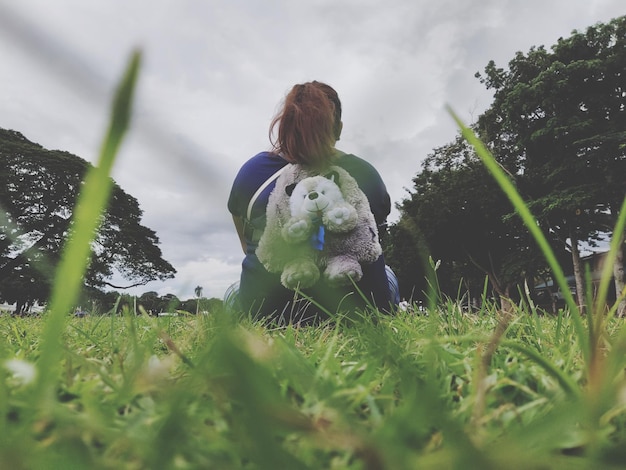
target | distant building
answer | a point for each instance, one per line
(549, 296)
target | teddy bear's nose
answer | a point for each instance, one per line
(313, 195)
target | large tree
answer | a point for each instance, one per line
(564, 112)
(457, 214)
(38, 192)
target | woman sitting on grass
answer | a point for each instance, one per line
(308, 125)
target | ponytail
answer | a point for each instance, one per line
(308, 124)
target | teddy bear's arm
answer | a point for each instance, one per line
(297, 229)
(341, 218)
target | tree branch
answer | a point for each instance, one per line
(124, 287)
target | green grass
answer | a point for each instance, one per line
(444, 390)
(398, 392)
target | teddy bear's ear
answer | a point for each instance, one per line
(333, 176)
(289, 188)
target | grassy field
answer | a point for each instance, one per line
(408, 391)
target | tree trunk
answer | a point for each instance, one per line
(506, 304)
(618, 274)
(578, 273)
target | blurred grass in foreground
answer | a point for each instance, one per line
(212, 391)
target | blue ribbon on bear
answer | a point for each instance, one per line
(317, 239)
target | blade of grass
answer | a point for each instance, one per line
(565, 380)
(604, 368)
(91, 203)
(607, 270)
(522, 209)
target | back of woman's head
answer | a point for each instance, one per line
(308, 124)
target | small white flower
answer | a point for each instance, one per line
(23, 372)
(156, 370)
(154, 364)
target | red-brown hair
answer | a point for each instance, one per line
(308, 124)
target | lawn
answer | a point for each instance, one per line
(211, 391)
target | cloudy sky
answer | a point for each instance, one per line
(214, 72)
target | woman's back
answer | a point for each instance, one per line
(261, 292)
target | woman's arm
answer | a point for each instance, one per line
(239, 227)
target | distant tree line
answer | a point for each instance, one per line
(149, 302)
(557, 126)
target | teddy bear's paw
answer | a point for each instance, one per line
(340, 218)
(343, 270)
(300, 274)
(297, 230)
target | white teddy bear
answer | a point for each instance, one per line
(318, 223)
(317, 202)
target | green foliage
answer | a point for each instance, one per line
(385, 392)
